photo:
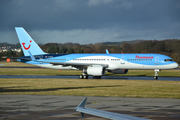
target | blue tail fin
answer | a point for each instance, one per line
(27, 43)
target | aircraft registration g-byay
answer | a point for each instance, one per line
(91, 64)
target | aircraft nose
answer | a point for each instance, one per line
(175, 65)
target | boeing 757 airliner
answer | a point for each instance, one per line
(91, 64)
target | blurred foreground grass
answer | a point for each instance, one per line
(95, 87)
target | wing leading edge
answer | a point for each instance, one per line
(104, 114)
(78, 65)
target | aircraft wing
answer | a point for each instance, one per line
(78, 65)
(104, 114)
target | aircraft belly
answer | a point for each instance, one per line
(113, 66)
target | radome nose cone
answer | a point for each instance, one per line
(176, 66)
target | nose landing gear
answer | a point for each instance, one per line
(156, 74)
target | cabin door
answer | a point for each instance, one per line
(157, 60)
(123, 60)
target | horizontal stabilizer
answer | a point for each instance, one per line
(104, 114)
(20, 58)
(31, 56)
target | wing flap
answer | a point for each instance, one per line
(78, 65)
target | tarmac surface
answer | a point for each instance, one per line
(45, 107)
(90, 77)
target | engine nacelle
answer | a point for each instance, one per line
(119, 71)
(96, 70)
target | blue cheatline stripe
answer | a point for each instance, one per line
(145, 59)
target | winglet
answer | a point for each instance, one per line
(107, 52)
(105, 114)
(82, 104)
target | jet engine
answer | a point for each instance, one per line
(96, 70)
(119, 71)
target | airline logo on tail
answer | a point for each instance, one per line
(26, 48)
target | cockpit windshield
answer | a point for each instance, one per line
(167, 60)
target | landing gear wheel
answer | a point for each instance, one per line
(155, 77)
(83, 76)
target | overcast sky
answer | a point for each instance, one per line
(90, 21)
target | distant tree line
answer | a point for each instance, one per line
(170, 47)
(9, 53)
(13, 46)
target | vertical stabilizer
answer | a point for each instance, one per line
(107, 52)
(27, 43)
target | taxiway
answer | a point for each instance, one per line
(90, 77)
(43, 107)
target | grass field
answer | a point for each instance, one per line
(85, 87)
(79, 87)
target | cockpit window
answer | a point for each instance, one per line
(167, 60)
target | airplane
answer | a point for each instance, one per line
(109, 115)
(94, 65)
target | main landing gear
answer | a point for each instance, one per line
(86, 77)
(83, 76)
(156, 74)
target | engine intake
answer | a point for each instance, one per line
(96, 70)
